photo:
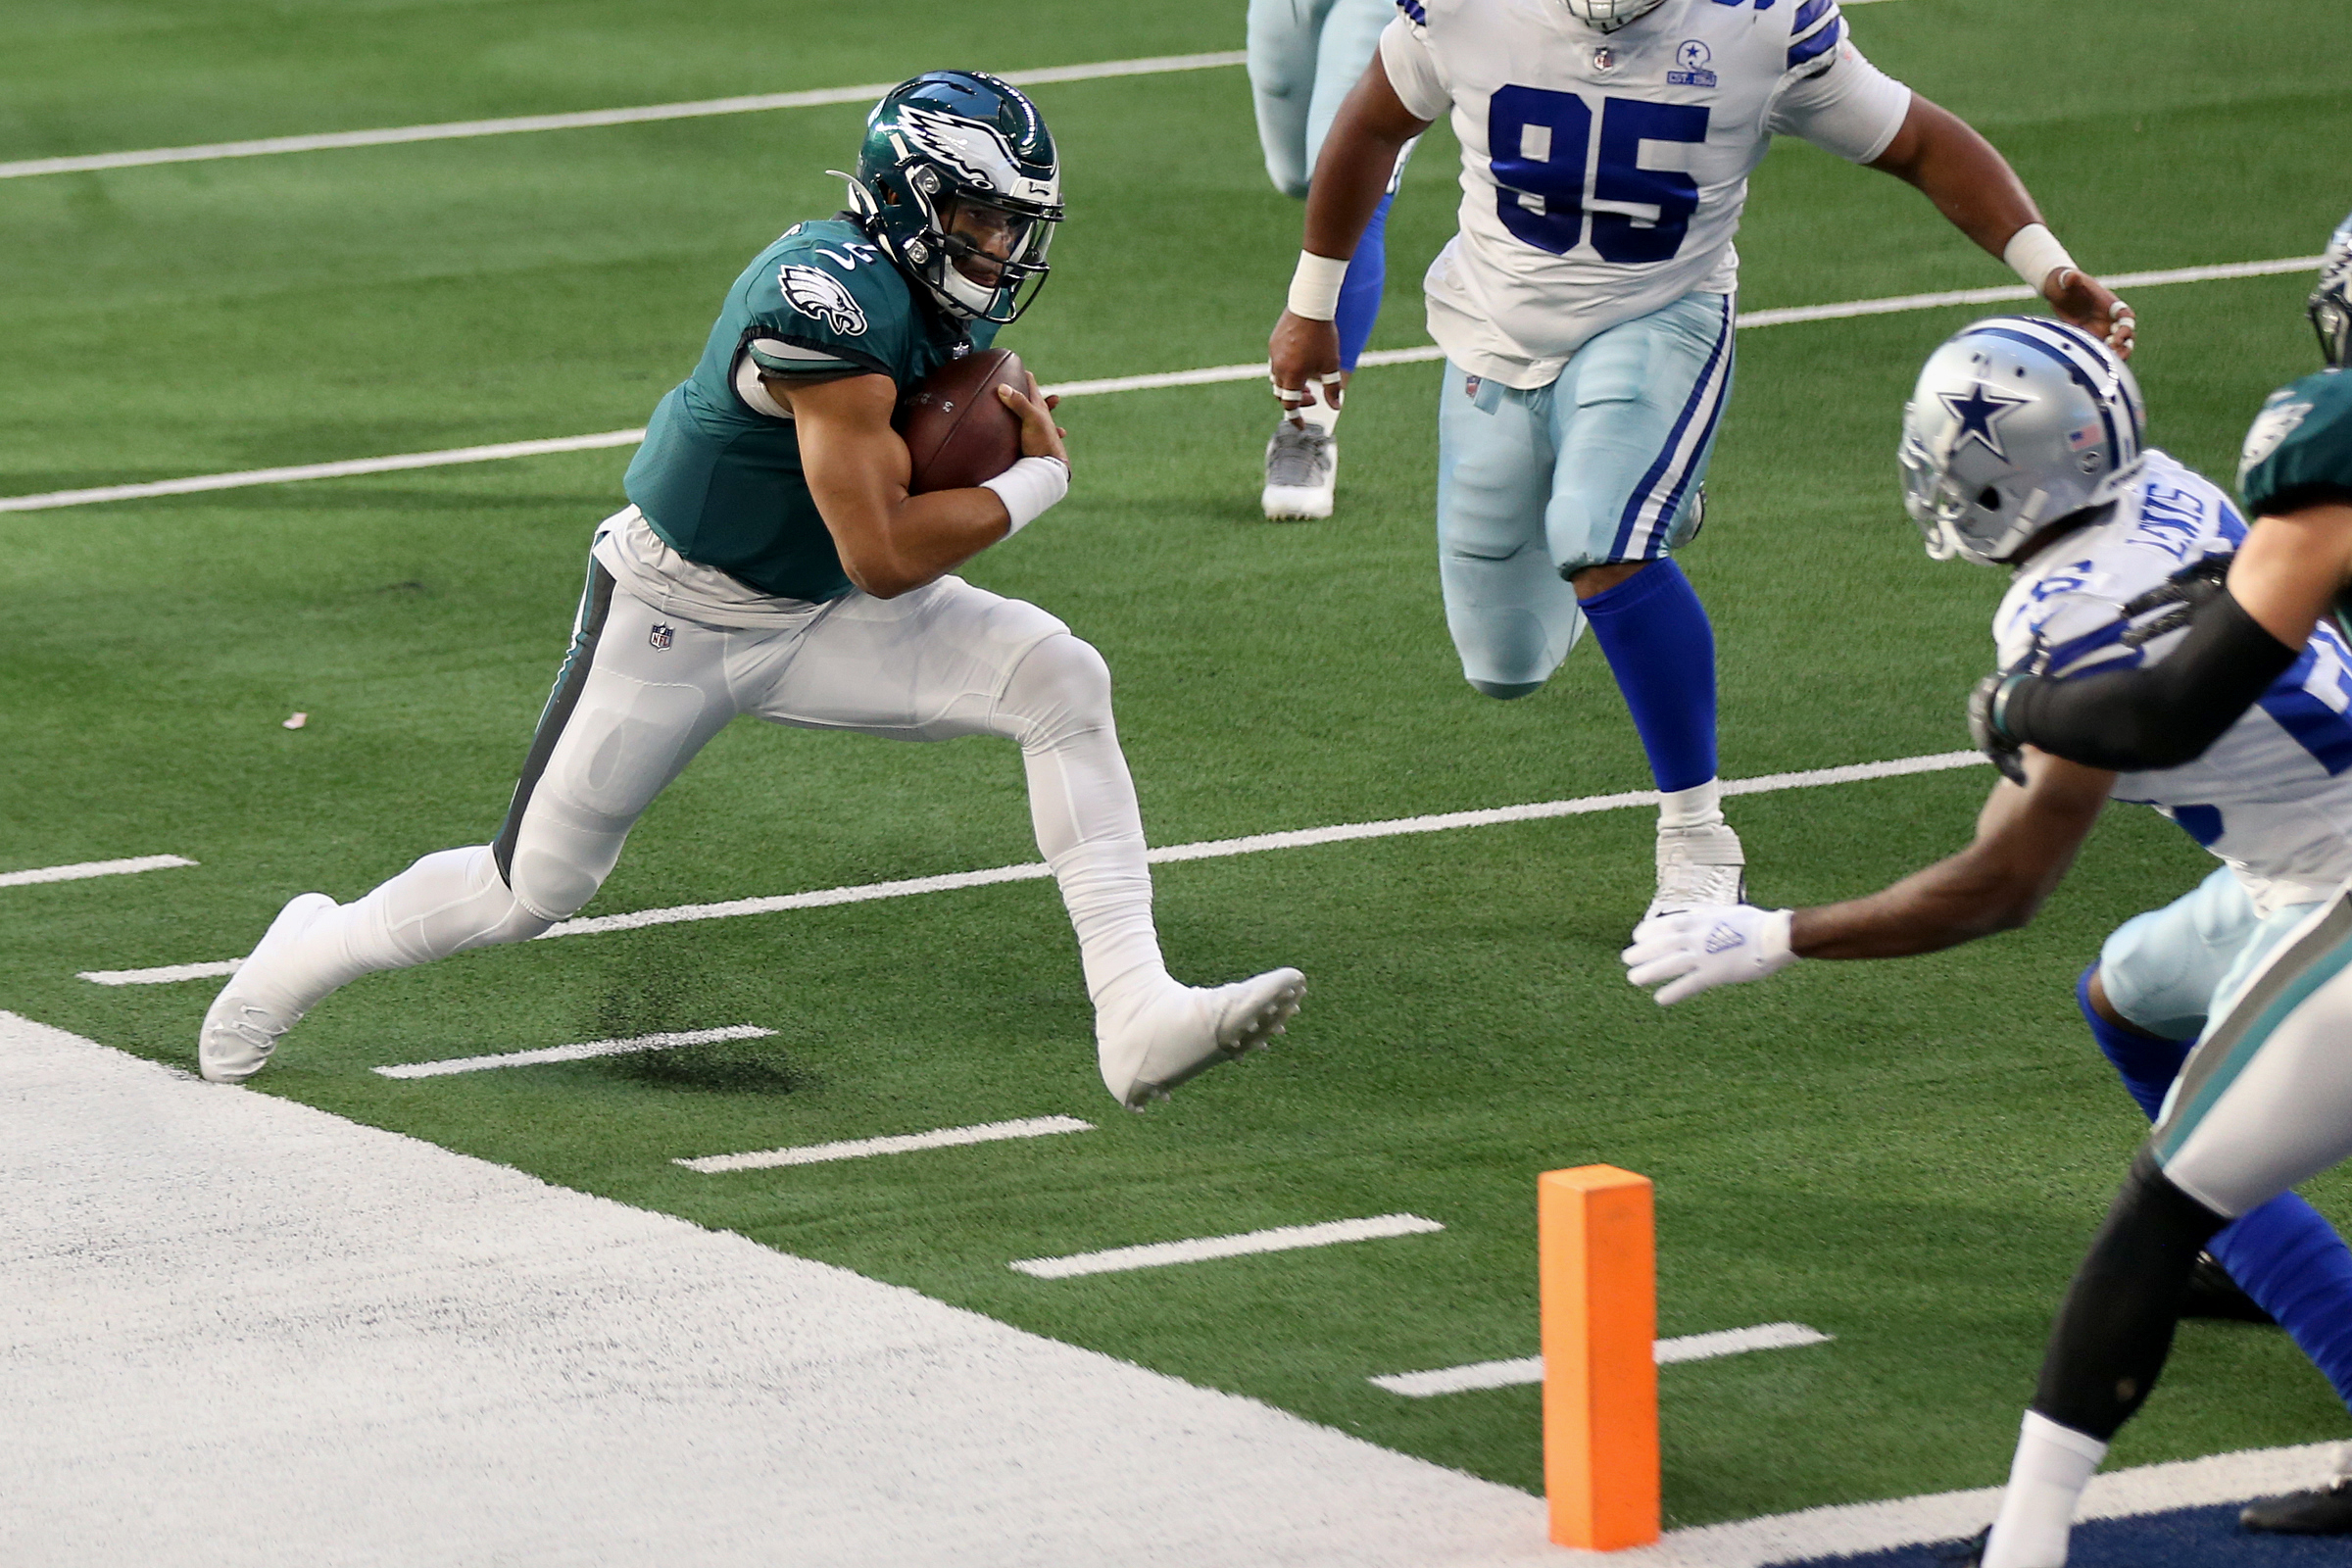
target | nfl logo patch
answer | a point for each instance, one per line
(1470, 384)
(659, 636)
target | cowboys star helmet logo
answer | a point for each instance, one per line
(1979, 416)
(820, 296)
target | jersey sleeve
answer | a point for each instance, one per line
(1831, 95)
(2299, 450)
(811, 318)
(1405, 54)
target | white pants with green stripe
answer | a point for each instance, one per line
(2265, 1100)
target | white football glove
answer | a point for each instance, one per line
(1708, 945)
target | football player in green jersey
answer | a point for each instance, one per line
(2265, 1100)
(772, 562)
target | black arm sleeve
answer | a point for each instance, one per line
(2161, 714)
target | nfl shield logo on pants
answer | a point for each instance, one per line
(659, 636)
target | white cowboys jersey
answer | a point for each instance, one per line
(2273, 797)
(1603, 173)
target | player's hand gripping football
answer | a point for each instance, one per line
(1304, 359)
(1041, 437)
(1706, 946)
(2090, 305)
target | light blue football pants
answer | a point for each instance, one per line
(1305, 54)
(2163, 970)
(1602, 465)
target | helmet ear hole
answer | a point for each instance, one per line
(1990, 498)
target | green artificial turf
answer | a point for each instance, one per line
(1908, 1156)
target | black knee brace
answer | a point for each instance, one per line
(2115, 1327)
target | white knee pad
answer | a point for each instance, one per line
(1060, 689)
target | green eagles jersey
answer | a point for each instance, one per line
(2299, 450)
(721, 481)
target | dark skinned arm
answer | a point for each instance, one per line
(2026, 840)
(891, 542)
(1351, 173)
(1973, 185)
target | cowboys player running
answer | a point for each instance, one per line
(2020, 447)
(1303, 57)
(773, 563)
(1585, 311)
(2266, 1102)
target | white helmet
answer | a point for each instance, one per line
(2015, 422)
(1609, 14)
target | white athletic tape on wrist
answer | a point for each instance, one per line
(1315, 286)
(2034, 254)
(1028, 489)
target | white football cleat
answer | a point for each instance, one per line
(257, 1005)
(1302, 466)
(1698, 865)
(1186, 1030)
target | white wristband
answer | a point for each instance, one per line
(1315, 286)
(2034, 254)
(1028, 489)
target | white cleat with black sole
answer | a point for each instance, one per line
(257, 1006)
(1183, 1031)
(1697, 866)
(1302, 469)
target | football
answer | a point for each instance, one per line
(956, 429)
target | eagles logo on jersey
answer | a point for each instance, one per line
(820, 296)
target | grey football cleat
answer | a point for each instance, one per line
(1302, 467)
(2323, 1512)
(1698, 865)
(1187, 1030)
(257, 1006)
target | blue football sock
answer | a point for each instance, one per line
(1360, 289)
(2287, 1257)
(2285, 1254)
(2147, 1062)
(1655, 633)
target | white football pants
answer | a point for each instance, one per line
(643, 691)
(2265, 1100)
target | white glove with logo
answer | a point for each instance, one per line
(1706, 946)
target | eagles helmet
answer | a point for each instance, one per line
(2017, 421)
(1608, 15)
(960, 141)
(2331, 304)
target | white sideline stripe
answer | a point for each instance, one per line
(1205, 376)
(1208, 849)
(90, 869)
(461, 129)
(904, 1143)
(1666, 1353)
(344, 470)
(578, 1052)
(163, 976)
(1281, 1238)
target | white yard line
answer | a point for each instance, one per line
(1281, 1238)
(1207, 850)
(352, 468)
(1666, 1353)
(578, 1052)
(463, 130)
(90, 868)
(902, 1144)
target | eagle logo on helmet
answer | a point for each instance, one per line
(821, 297)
